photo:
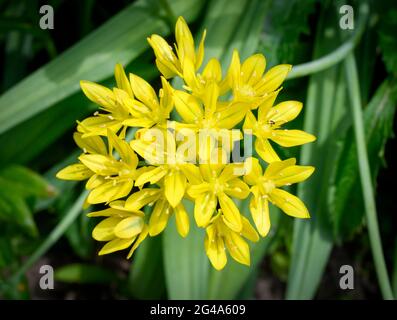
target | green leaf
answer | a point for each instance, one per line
(387, 39)
(84, 273)
(24, 182)
(312, 240)
(13, 209)
(185, 264)
(121, 39)
(346, 200)
(146, 278)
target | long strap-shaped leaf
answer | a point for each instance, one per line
(121, 39)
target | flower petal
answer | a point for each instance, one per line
(142, 236)
(182, 220)
(273, 78)
(144, 91)
(289, 203)
(129, 227)
(253, 68)
(231, 213)
(174, 187)
(153, 175)
(291, 138)
(248, 230)
(215, 248)
(93, 144)
(187, 106)
(284, 112)
(253, 171)
(76, 171)
(265, 150)
(116, 245)
(104, 230)
(122, 80)
(110, 191)
(98, 94)
(204, 208)
(293, 174)
(259, 208)
(159, 217)
(237, 188)
(141, 198)
(238, 248)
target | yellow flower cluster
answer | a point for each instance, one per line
(188, 158)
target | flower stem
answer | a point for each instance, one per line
(337, 55)
(365, 176)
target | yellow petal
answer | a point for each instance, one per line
(259, 207)
(98, 94)
(95, 181)
(109, 212)
(123, 148)
(231, 116)
(210, 98)
(198, 190)
(139, 122)
(265, 150)
(204, 208)
(253, 68)
(238, 248)
(212, 70)
(291, 138)
(142, 236)
(159, 217)
(231, 213)
(152, 152)
(144, 91)
(166, 98)
(104, 230)
(237, 188)
(231, 171)
(200, 51)
(273, 169)
(253, 171)
(185, 42)
(215, 248)
(289, 203)
(110, 191)
(250, 121)
(165, 57)
(191, 172)
(122, 80)
(100, 164)
(293, 174)
(76, 171)
(98, 125)
(284, 112)
(153, 175)
(273, 78)
(116, 245)
(174, 187)
(129, 227)
(248, 230)
(182, 220)
(187, 106)
(141, 198)
(90, 144)
(233, 73)
(266, 106)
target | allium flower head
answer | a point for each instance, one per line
(144, 165)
